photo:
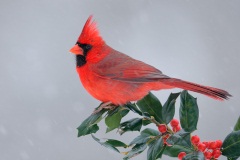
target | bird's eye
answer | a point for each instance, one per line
(88, 46)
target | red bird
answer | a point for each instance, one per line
(113, 77)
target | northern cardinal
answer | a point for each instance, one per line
(113, 77)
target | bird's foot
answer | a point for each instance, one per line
(106, 105)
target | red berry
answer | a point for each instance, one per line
(212, 145)
(201, 147)
(195, 140)
(176, 129)
(181, 155)
(206, 144)
(174, 122)
(162, 128)
(208, 154)
(219, 143)
(216, 153)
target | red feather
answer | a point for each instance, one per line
(90, 33)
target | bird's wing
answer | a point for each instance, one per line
(119, 66)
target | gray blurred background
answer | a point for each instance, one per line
(42, 101)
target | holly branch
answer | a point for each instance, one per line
(172, 137)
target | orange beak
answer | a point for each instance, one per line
(76, 50)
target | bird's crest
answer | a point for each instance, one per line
(90, 33)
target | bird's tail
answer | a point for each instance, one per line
(214, 93)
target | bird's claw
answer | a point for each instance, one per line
(106, 105)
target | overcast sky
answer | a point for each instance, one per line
(42, 101)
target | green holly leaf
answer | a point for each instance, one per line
(113, 121)
(181, 138)
(231, 145)
(150, 132)
(124, 112)
(116, 143)
(89, 125)
(237, 125)
(188, 112)
(133, 108)
(180, 142)
(136, 150)
(114, 117)
(145, 136)
(152, 106)
(168, 109)
(146, 122)
(155, 149)
(111, 143)
(134, 124)
(140, 139)
(140, 143)
(194, 156)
